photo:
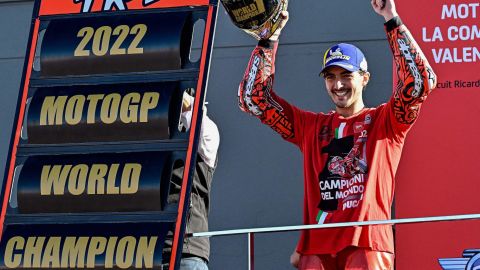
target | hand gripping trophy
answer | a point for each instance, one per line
(259, 18)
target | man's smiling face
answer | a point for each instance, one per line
(344, 87)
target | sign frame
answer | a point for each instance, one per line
(17, 151)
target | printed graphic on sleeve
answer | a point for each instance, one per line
(413, 73)
(255, 94)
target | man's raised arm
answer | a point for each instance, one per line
(416, 78)
(255, 93)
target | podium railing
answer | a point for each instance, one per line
(252, 231)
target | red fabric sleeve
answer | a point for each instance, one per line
(416, 78)
(256, 96)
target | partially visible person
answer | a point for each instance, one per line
(196, 251)
(351, 154)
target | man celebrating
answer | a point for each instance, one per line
(351, 154)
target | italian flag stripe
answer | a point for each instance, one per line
(339, 132)
(321, 217)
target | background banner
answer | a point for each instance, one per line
(438, 174)
(102, 113)
(79, 246)
(115, 44)
(120, 182)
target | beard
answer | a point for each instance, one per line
(342, 97)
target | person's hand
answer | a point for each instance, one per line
(295, 259)
(385, 8)
(283, 21)
(187, 102)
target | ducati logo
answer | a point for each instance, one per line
(110, 4)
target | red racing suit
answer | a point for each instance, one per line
(349, 163)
